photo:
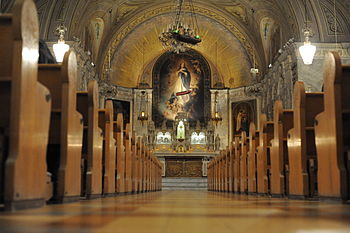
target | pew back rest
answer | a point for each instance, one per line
(336, 85)
(283, 120)
(50, 76)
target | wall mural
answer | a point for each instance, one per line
(180, 79)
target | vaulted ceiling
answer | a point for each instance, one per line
(235, 32)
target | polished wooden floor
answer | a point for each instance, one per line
(182, 212)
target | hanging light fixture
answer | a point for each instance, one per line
(307, 51)
(216, 115)
(179, 37)
(61, 47)
(143, 116)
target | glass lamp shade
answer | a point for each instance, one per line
(307, 52)
(60, 49)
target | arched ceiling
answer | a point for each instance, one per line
(240, 28)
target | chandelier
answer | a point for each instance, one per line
(179, 37)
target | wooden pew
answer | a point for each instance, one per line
(148, 181)
(301, 143)
(236, 172)
(142, 165)
(214, 173)
(263, 156)
(243, 163)
(137, 180)
(146, 168)
(105, 120)
(217, 174)
(133, 162)
(128, 157)
(66, 128)
(283, 122)
(25, 115)
(227, 169)
(120, 166)
(230, 165)
(220, 171)
(252, 155)
(332, 131)
(209, 176)
(223, 171)
(87, 104)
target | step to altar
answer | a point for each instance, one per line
(184, 183)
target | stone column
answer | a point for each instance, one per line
(222, 127)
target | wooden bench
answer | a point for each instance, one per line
(214, 171)
(236, 173)
(252, 154)
(25, 114)
(243, 171)
(128, 155)
(133, 161)
(144, 164)
(105, 120)
(332, 131)
(210, 176)
(146, 168)
(222, 171)
(66, 128)
(137, 176)
(263, 156)
(227, 169)
(87, 105)
(230, 153)
(301, 143)
(283, 122)
(120, 166)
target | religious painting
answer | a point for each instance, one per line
(163, 138)
(181, 86)
(243, 115)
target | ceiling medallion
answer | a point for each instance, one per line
(179, 37)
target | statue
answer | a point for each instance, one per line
(217, 143)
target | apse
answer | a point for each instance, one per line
(136, 54)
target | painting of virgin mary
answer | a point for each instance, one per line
(181, 87)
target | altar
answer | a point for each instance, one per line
(185, 164)
(184, 150)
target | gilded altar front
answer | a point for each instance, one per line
(176, 167)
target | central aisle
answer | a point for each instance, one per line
(182, 212)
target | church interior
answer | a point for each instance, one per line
(147, 116)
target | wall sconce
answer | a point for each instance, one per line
(61, 47)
